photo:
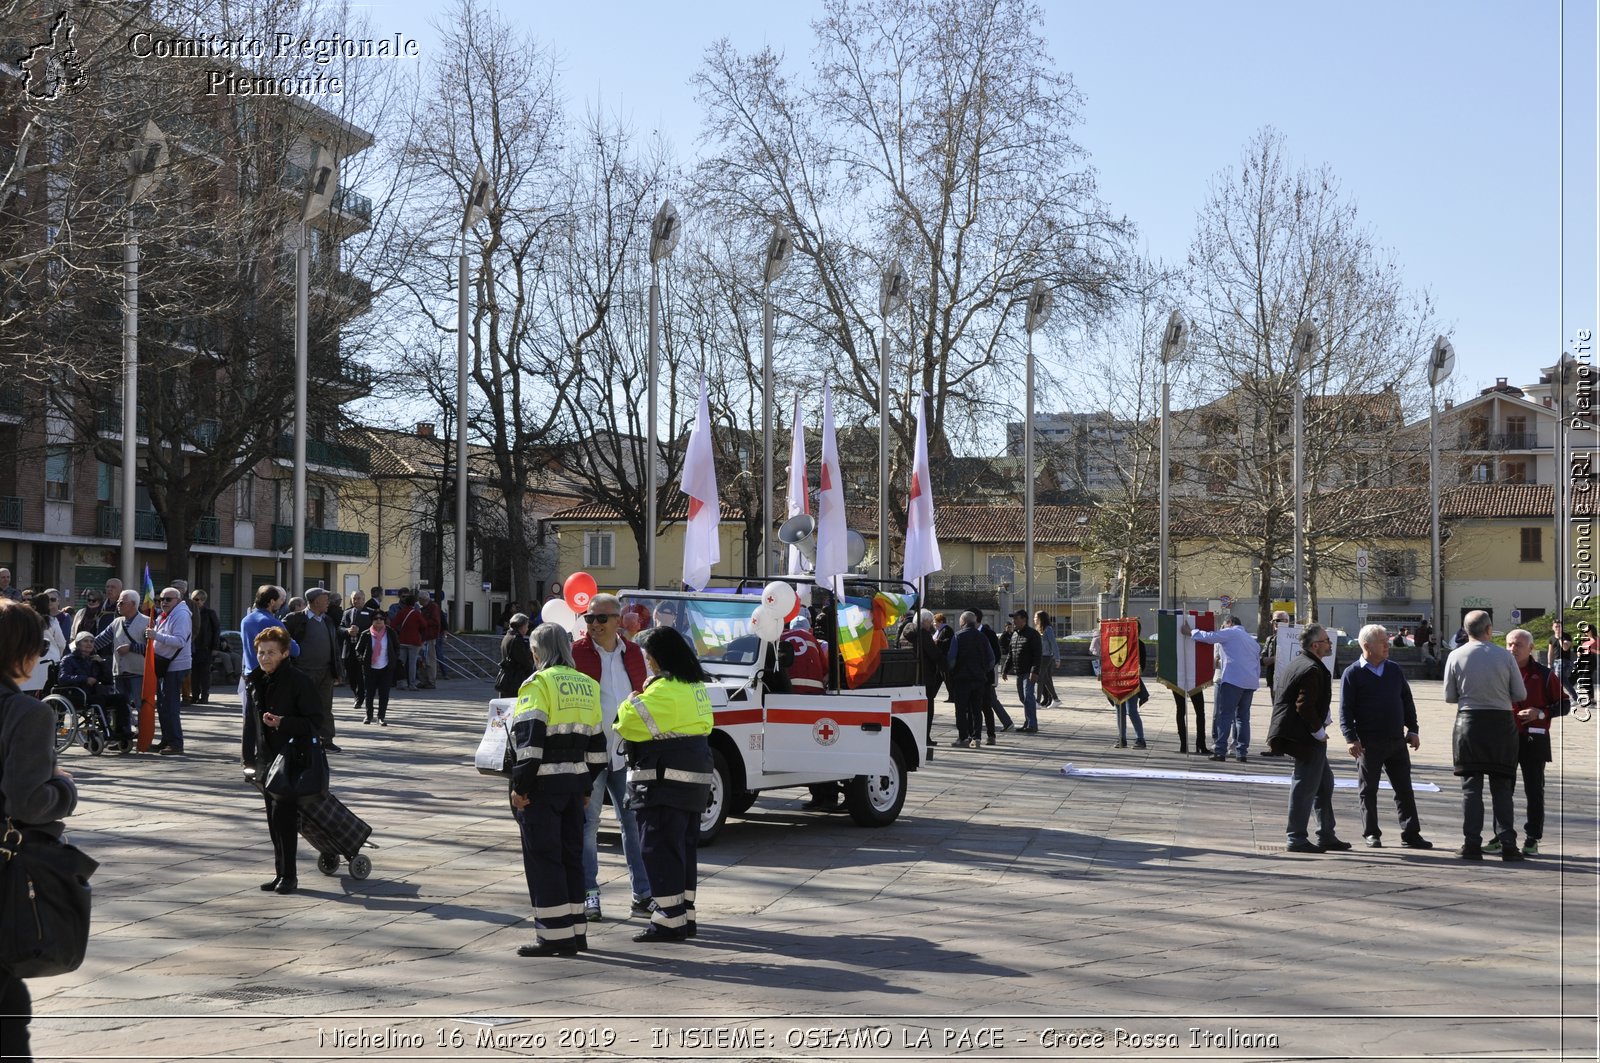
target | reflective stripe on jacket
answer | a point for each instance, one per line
(669, 758)
(555, 733)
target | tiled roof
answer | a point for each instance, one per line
(677, 508)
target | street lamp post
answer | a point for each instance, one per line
(1173, 340)
(320, 181)
(891, 296)
(480, 200)
(1441, 360)
(1040, 301)
(146, 158)
(1305, 341)
(779, 248)
(664, 230)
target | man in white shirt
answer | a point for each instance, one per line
(1236, 686)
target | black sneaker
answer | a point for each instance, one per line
(642, 906)
(1416, 841)
(1373, 841)
(331, 748)
(1334, 845)
(1304, 847)
(1470, 852)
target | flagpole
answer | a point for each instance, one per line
(650, 433)
(767, 564)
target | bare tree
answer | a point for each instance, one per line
(1276, 246)
(937, 134)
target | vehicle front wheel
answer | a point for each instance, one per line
(876, 800)
(722, 792)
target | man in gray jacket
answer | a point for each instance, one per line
(1482, 680)
(173, 635)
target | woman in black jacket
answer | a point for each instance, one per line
(516, 657)
(35, 795)
(285, 705)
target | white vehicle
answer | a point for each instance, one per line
(866, 738)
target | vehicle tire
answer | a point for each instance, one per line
(94, 744)
(328, 863)
(360, 866)
(876, 800)
(718, 804)
(741, 802)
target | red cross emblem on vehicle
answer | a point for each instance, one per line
(825, 731)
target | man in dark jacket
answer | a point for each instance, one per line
(1378, 718)
(352, 625)
(320, 654)
(207, 640)
(919, 633)
(1026, 648)
(971, 673)
(1300, 718)
(991, 705)
(1547, 699)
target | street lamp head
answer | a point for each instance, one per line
(1040, 302)
(892, 290)
(1305, 341)
(1440, 362)
(780, 248)
(664, 232)
(1176, 337)
(320, 182)
(149, 154)
(480, 198)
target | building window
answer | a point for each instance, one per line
(1533, 544)
(58, 474)
(1069, 576)
(1515, 472)
(1517, 436)
(1395, 570)
(245, 505)
(599, 550)
(105, 482)
(1003, 569)
(1480, 473)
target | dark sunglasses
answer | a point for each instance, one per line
(599, 618)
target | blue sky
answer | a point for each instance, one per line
(1441, 119)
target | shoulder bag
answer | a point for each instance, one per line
(299, 770)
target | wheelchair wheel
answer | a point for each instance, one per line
(360, 866)
(328, 863)
(95, 744)
(67, 721)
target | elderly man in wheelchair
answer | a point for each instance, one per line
(84, 680)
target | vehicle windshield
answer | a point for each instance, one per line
(718, 626)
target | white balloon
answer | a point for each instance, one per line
(559, 613)
(780, 596)
(766, 624)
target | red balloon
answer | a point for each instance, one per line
(578, 589)
(793, 612)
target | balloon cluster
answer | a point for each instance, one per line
(577, 592)
(779, 605)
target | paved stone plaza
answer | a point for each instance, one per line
(1011, 912)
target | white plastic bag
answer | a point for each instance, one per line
(494, 750)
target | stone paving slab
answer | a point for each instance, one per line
(1052, 911)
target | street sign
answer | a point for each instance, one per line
(1516, 615)
(1361, 611)
(1227, 601)
(1362, 558)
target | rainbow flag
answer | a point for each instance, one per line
(147, 689)
(863, 631)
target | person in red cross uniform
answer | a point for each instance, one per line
(809, 672)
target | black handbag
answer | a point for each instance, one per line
(44, 903)
(299, 770)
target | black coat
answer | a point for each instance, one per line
(970, 661)
(1026, 648)
(1485, 742)
(516, 664)
(290, 693)
(1301, 706)
(363, 654)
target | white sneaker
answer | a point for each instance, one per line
(591, 906)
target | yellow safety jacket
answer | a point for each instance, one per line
(664, 731)
(555, 732)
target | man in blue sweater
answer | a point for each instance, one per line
(1379, 720)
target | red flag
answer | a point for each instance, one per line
(1119, 659)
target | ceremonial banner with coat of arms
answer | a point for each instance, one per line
(1119, 659)
(1182, 664)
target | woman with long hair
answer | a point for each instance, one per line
(664, 729)
(35, 795)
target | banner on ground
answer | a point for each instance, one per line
(1119, 659)
(1182, 664)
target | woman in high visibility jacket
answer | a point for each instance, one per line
(664, 729)
(559, 749)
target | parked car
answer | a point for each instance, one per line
(227, 662)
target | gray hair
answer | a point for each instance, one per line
(128, 596)
(552, 645)
(313, 593)
(1372, 633)
(1518, 633)
(1478, 624)
(606, 599)
(969, 619)
(83, 636)
(1312, 633)
(519, 619)
(925, 617)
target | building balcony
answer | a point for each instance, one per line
(196, 434)
(340, 380)
(323, 541)
(351, 212)
(328, 455)
(1498, 441)
(11, 513)
(346, 289)
(150, 528)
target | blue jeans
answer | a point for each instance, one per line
(1311, 785)
(438, 658)
(408, 660)
(1028, 693)
(171, 687)
(1129, 710)
(130, 685)
(616, 784)
(1232, 713)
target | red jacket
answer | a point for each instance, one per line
(587, 659)
(432, 621)
(810, 669)
(408, 626)
(1544, 692)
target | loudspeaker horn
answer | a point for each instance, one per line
(800, 531)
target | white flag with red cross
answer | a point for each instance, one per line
(922, 541)
(701, 548)
(799, 489)
(833, 556)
